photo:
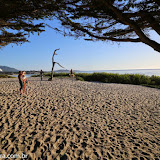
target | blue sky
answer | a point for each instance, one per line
(78, 54)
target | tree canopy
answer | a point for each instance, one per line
(115, 20)
(106, 20)
(18, 18)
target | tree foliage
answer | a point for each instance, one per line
(106, 20)
(18, 18)
(115, 20)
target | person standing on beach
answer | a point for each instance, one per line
(25, 81)
(21, 82)
(41, 74)
(71, 72)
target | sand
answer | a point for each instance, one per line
(66, 119)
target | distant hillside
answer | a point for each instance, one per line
(7, 69)
(62, 71)
(67, 71)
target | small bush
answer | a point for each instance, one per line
(79, 78)
(6, 76)
(155, 80)
(54, 75)
(37, 75)
(60, 74)
(47, 74)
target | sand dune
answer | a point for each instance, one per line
(66, 119)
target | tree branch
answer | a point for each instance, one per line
(78, 27)
(132, 24)
(157, 1)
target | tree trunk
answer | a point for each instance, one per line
(52, 70)
(53, 63)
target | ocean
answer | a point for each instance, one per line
(147, 72)
(27, 75)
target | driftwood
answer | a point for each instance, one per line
(53, 63)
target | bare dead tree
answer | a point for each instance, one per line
(53, 63)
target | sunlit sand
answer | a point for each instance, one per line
(67, 119)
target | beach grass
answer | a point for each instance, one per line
(6, 76)
(55, 75)
(136, 79)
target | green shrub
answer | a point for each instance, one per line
(37, 75)
(54, 75)
(6, 76)
(155, 80)
(79, 78)
(60, 74)
(136, 79)
(47, 74)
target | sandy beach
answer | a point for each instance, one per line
(64, 119)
